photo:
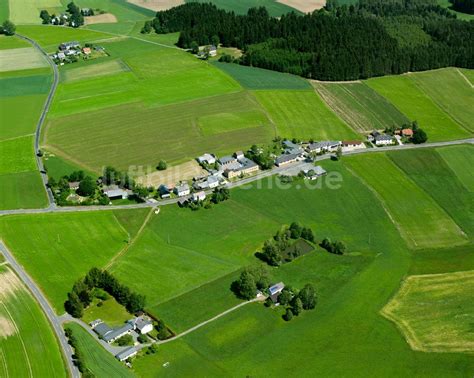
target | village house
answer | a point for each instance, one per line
(383, 140)
(286, 159)
(199, 196)
(164, 191)
(352, 144)
(324, 146)
(212, 50)
(206, 159)
(407, 133)
(126, 354)
(141, 325)
(211, 182)
(69, 45)
(182, 190)
(87, 50)
(275, 291)
(246, 166)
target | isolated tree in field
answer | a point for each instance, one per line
(247, 286)
(73, 305)
(288, 315)
(87, 187)
(45, 16)
(296, 306)
(162, 165)
(419, 136)
(8, 27)
(308, 297)
(147, 28)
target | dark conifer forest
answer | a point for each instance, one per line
(372, 38)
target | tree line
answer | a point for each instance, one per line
(335, 43)
(465, 6)
(81, 294)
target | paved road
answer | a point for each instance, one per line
(44, 113)
(245, 181)
(47, 309)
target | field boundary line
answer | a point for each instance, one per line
(132, 241)
(17, 137)
(67, 157)
(465, 78)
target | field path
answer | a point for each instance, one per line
(465, 78)
(126, 248)
(44, 112)
(46, 307)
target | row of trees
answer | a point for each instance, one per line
(250, 281)
(77, 358)
(465, 6)
(276, 250)
(81, 294)
(336, 247)
(336, 43)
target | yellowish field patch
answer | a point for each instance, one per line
(21, 59)
(304, 6)
(101, 69)
(157, 5)
(172, 175)
(106, 18)
(9, 285)
(435, 312)
(7, 328)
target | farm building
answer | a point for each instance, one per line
(182, 190)
(352, 144)
(210, 183)
(324, 146)
(275, 291)
(246, 166)
(383, 140)
(313, 174)
(226, 162)
(87, 50)
(292, 148)
(114, 192)
(126, 354)
(164, 191)
(407, 132)
(100, 328)
(239, 155)
(141, 324)
(286, 159)
(69, 45)
(117, 333)
(206, 159)
(212, 50)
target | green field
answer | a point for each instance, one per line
(434, 312)
(274, 8)
(100, 362)
(451, 92)
(57, 167)
(258, 78)
(109, 67)
(402, 92)
(461, 160)
(175, 133)
(22, 191)
(17, 155)
(112, 313)
(27, 11)
(28, 347)
(420, 220)
(303, 115)
(431, 173)
(360, 106)
(63, 247)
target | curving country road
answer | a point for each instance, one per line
(46, 307)
(44, 113)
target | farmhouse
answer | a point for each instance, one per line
(86, 50)
(352, 144)
(286, 159)
(100, 328)
(206, 159)
(141, 324)
(114, 192)
(69, 45)
(383, 140)
(246, 166)
(117, 333)
(292, 148)
(275, 291)
(227, 162)
(199, 196)
(407, 133)
(182, 190)
(212, 50)
(164, 191)
(323, 146)
(126, 354)
(213, 182)
(61, 56)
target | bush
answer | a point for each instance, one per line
(288, 315)
(142, 339)
(162, 165)
(125, 340)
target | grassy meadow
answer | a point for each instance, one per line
(28, 347)
(434, 312)
(360, 106)
(303, 115)
(404, 93)
(420, 220)
(27, 12)
(100, 362)
(460, 159)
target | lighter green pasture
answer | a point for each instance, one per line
(109, 67)
(225, 122)
(420, 220)
(17, 155)
(460, 160)
(27, 344)
(112, 313)
(19, 115)
(416, 105)
(360, 106)
(451, 92)
(9, 42)
(169, 132)
(22, 191)
(429, 170)
(434, 312)
(21, 59)
(303, 115)
(468, 75)
(60, 248)
(99, 361)
(58, 167)
(27, 11)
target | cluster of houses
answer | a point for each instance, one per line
(69, 51)
(386, 139)
(207, 51)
